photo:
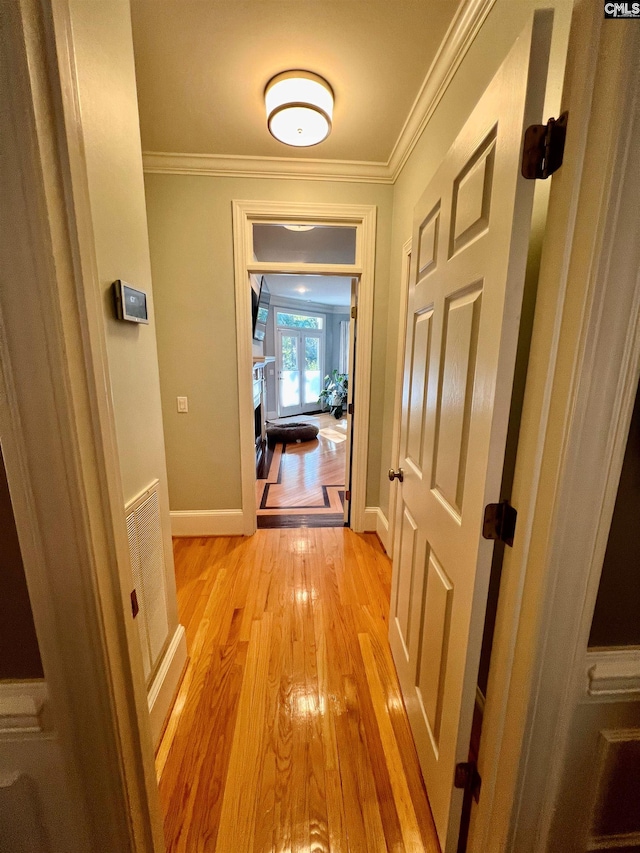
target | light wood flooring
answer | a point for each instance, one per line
(289, 732)
(304, 483)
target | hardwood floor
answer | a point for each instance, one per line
(304, 484)
(289, 732)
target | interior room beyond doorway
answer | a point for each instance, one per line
(301, 475)
(303, 483)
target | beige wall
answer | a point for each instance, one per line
(503, 25)
(106, 81)
(190, 231)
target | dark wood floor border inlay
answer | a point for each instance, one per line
(262, 470)
(303, 520)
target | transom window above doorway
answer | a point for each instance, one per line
(317, 244)
(298, 321)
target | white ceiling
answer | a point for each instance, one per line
(322, 289)
(202, 66)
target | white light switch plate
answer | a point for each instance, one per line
(183, 404)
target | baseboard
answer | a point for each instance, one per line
(23, 706)
(165, 684)
(220, 522)
(382, 529)
(375, 521)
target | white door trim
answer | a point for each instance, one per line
(397, 403)
(585, 357)
(59, 445)
(363, 217)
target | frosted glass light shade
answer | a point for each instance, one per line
(299, 108)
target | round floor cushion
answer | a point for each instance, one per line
(291, 433)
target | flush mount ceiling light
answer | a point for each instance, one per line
(299, 227)
(299, 108)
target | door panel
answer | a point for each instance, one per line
(471, 229)
(431, 669)
(427, 254)
(457, 360)
(472, 196)
(405, 580)
(418, 394)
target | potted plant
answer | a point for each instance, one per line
(334, 394)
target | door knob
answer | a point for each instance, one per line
(396, 475)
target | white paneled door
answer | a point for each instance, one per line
(470, 238)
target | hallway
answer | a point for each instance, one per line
(289, 732)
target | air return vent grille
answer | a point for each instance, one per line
(147, 562)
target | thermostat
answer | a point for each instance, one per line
(130, 303)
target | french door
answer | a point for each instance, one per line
(300, 357)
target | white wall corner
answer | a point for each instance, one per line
(221, 522)
(166, 682)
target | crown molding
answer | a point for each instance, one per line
(462, 31)
(288, 168)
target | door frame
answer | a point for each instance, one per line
(363, 218)
(59, 445)
(405, 282)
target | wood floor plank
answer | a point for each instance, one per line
(289, 732)
(189, 686)
(237, 820)
(359, 759)
(336, 821)
(399, 787)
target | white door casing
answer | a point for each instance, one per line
(470, 239)
(353, 312)
(397, 404)
(87, 775)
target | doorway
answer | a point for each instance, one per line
(324, 242)
(302, 474)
